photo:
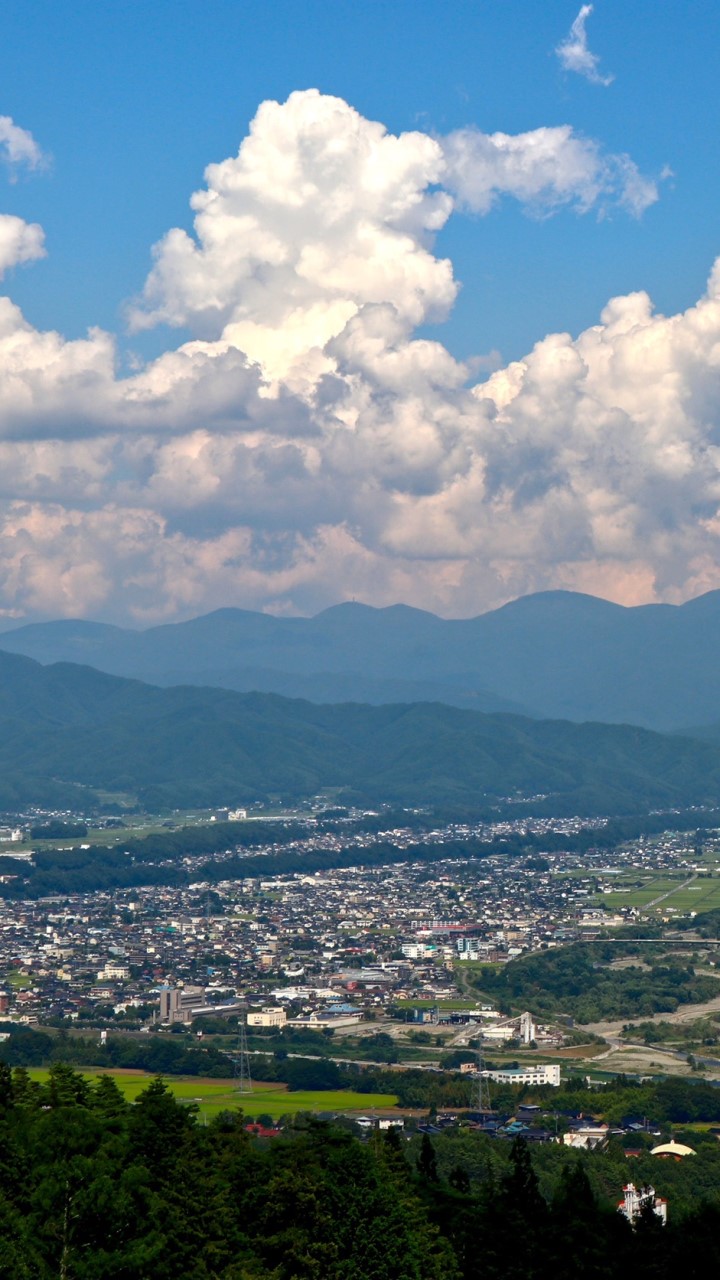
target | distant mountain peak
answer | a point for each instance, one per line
(346, 607)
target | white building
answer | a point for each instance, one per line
(547, 1073)
(635, 1199)
(506, 1031)
(114, 972)
(317, 1021)
(270, 1016)
(587, 1138)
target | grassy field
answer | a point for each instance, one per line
(20, 981)
(212, 1096)
(640, 894)
(702, 895)
(138, 826)
(278, 1102)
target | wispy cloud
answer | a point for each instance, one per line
(575, 55)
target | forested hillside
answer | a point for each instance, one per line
(92, 1188)
(579, 981)
(69, 733)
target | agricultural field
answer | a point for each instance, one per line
(137, 828)
(703, 894)
(212, 1096)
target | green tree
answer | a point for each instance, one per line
(427, 1160)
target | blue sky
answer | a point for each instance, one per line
(130, 101)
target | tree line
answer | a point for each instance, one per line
(665, 1101)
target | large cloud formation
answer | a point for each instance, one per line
(305, 446)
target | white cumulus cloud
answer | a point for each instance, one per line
(306, 445)
(320, 212)
(19, 241)
(544, 169)
(323, 212)
(575, 55)
(18, 148)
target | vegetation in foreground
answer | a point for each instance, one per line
(92, 1188)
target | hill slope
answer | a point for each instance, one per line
(69, 731)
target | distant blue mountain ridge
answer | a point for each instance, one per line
(555, 654)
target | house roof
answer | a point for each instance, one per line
(672, 1148)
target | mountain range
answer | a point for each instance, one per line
(551, 655)
(73, 736)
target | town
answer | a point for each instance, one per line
(353, 951)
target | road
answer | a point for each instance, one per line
(675, 889)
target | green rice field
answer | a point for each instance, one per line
(702, 895)
(212, 1096)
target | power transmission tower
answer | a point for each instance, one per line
(241, 1060)
(482, 1096)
